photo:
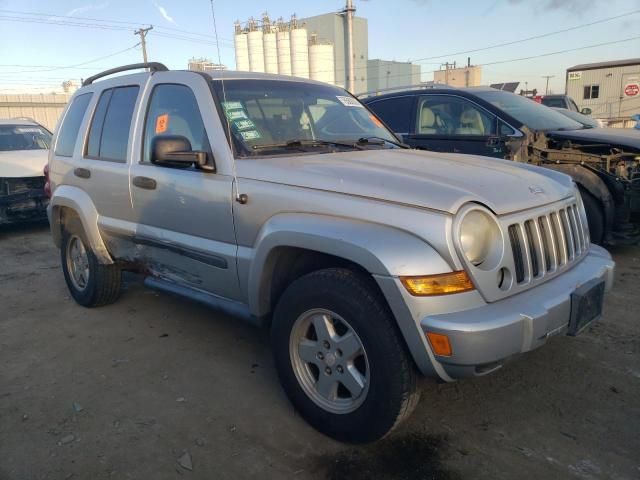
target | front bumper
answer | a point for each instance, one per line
(23, 206)
(482, 338)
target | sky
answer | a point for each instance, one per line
(36, 39)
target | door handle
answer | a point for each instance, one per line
(144, 182)
(82, 172)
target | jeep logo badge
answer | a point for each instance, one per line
(536, 190)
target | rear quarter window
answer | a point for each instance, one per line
(109, 131)
(70, 127)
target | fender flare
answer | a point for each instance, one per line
(378, 249)
(593, 184)
(76, 199)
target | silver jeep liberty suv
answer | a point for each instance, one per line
(288, 203)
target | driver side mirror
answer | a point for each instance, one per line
(586, 111)
(175, 151)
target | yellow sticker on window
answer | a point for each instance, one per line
(376, 121)
(162, 123)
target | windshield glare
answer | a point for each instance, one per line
(23, 137)
(530, 113)
(264, 113)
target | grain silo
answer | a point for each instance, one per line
(270, 45)
(242, 48)
(299, 50)
(256, 47)
(284, 48)
(321, 61)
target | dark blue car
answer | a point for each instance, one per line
(604, 162)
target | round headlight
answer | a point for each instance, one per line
(480, 239)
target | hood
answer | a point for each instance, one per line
(23, 163)
(438, 181)
(617, 137)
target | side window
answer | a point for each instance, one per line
(173, 110)
(395, 112)
(71, 125)
(505, 130)
(109, 132)
(591, 91)
(449, 115)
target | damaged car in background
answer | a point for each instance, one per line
(604, 162)
(24, 146)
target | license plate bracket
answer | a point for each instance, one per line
(586, 306)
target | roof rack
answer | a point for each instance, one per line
(425, 86)
(153, 66)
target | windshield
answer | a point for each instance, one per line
(529, 113)
(269, 116)
(23, 137)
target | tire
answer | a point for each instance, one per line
(102, 285)
(595, 217)
(351, 303)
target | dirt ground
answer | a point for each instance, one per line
(152, 384)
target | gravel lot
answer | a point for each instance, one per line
(153, 384)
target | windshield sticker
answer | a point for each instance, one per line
(26, 130)
(376, 121)
(162, 123)
(251, 135)
(232, 106)
(349, 101)
(236, 115)
(245, 124)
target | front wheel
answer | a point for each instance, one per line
(90, 283)
(340, 357)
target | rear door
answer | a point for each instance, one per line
(396, 112)
(185, 222)
(103, 168)
(450, 123)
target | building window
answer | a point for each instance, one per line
(591, 91)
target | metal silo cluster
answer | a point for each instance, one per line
(283, 47)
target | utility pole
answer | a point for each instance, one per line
(546, 90)
(348, 12)
(143, 34)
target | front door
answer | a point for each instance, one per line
(184, 215)
(449, 123)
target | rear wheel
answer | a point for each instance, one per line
(595, 216)
(340, 357)
(90, 283)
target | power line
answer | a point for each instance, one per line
(535, 37)
(133, 24)
(77, 65)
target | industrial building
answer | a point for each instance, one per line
(386, 74)
(331, 28)
(468, 76)
(610, 89)
(313, 47)
(283, 47)
(204, 65)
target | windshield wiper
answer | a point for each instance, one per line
(380, 141)
(302, 143)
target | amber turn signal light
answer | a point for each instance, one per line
(440, 344)
(440, 284)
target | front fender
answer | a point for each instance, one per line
(76, 199)
(379, 249)
(385, 252)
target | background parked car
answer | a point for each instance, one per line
(585, 120)
(603, 162)
(24, 146)
(562, 101)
